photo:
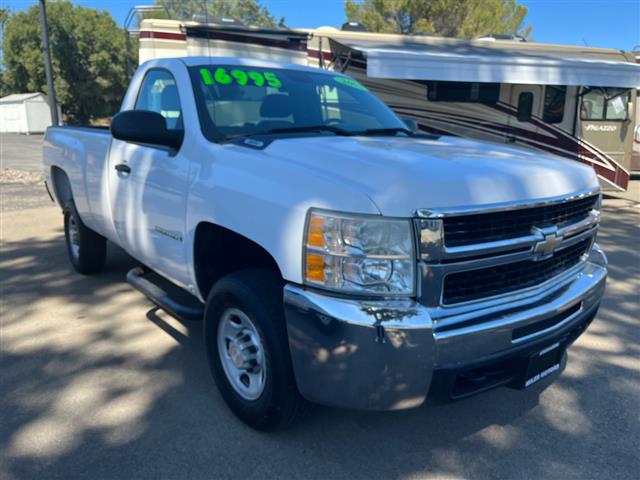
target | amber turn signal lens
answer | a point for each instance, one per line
(315, 267)
(315, 236)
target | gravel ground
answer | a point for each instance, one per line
(22, 190)
(21, 181)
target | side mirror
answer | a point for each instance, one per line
(410, 123)
(146, 128)
(525, 106)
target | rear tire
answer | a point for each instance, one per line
(86, 249)
(248, 350)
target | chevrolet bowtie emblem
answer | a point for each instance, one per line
(544, 248)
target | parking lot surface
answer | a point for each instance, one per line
(98, 383)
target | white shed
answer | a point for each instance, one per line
(24, 113)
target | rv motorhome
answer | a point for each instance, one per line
(575, 102)
(635, 151)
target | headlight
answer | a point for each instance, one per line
(358, 253)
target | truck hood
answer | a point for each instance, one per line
(401, 175)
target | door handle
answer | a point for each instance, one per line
(123, 168)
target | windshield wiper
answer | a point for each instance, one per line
(309, 128)
(326, 128)
(384, 131)
(274, 131)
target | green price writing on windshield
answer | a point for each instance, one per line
(223, 76)
(350, 82)
(206, 76)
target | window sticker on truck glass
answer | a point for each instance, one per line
(350, 82)
(238, 76)
(206, 76)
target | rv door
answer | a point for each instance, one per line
(525, 108)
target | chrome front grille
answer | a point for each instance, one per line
(491, 227)
(471, 257)
(499, 279)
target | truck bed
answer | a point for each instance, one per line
(82, 153)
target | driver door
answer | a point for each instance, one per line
(149, 186)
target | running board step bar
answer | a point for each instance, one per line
(174, 300)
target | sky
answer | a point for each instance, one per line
(596, 23)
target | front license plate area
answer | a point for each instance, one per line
(543, 363)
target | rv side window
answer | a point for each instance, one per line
(554, 98)
(525, 106)
(604, 104)
(463, 92)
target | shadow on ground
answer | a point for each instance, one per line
(98, 383)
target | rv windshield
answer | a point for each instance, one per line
(237, 101)
(604, 104)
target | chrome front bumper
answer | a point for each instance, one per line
(382, 355)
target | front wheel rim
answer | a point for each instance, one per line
(241, 353)
(74, 238)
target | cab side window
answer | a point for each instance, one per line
(159, 93)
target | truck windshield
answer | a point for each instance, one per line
(237, 101)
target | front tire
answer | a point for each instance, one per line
(248, 350)
(86, 249)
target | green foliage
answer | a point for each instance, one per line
(87, 50)
(249, 12)
(449, 18)
(4, 16)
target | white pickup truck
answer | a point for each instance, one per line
(335, 255)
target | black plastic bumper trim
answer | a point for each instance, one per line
(500, 369)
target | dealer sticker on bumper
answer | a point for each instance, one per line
(542, 374)
(544, 363)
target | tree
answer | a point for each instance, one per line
(87, 50)
(4, 16)
(249, 12)
(449, 18)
